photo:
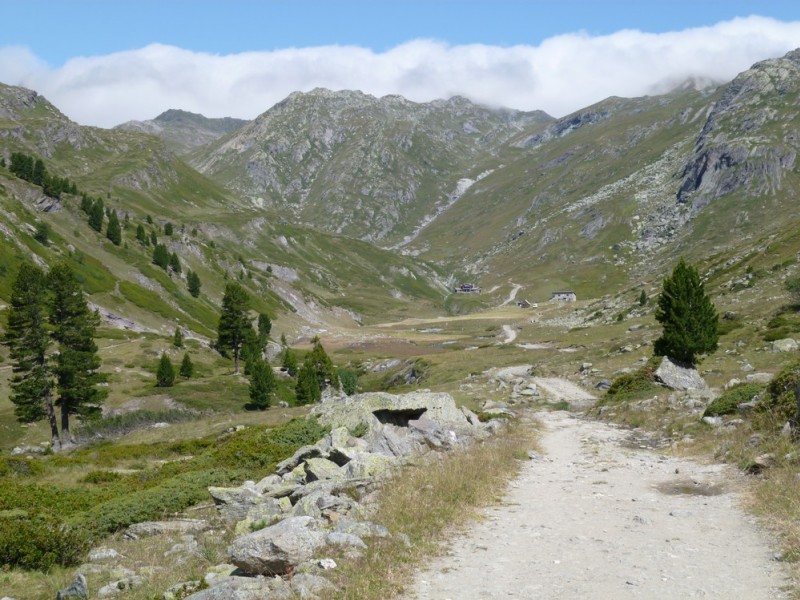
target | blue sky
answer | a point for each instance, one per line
(104, 62)
(57, 30)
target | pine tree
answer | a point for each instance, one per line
(161, 256)
(96, 214)
(168, 228)
(307, 389)
(251, 349)
(187, 367)
(193, 283)
(690, 321)
(86, 204)
(153, 238)
(77, 362)
(165, 376)
(264, 328)
(262, 384)
(233, 321)
(141, 236)
(289, 363)
(175, 263)
(28, 341)
(113, 229)
(177, 339)
(284, 343)
(323, 366)
(349, 380)
(642, 298)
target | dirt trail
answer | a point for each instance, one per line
(511, 334)
(511, 295)
(594, 519)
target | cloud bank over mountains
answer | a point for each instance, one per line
(560, 75)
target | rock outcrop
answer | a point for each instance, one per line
(678, 377)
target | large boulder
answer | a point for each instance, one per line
(176, 526)
(678, 377)
(246, 588)
(276, 549)
(784, 345)
(234, 503)
(391, 409)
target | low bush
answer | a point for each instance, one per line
(779, 403)
(40, 542)
(630, 386)
(101, 477)
(48, 499)
(730, 400)
(18, 466)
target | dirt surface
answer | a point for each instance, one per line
(556, 388)
(593, 518)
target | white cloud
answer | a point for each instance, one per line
(562, 74)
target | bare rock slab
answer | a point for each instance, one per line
(275, 549)
(677, 377)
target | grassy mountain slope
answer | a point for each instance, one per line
(351, 163)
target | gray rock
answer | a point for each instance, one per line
(368, 465)
(363, 529)
(18, 450)
(337, 538)
(147, 528)
(603, 385)
(181, 590)
(391, 440)
(121, 585)
(77, 589)
(246, 588)
(234, 503)
(677, 377)
(298, 457)
(103, 554)
(307, 586)
(321, 504)
(275, 549)
(348, 412)
(434, 435)
(758, 378)
(472, 418)
(322, 468)
(713, 421)
(784, 345)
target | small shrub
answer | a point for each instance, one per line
(629, 386)
(19, 466)
(101, 477)
(730, 400)
(359, 430)
(40, 543)
(779, 404)
(349, 380)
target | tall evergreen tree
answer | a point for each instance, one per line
(161, 256)
(113, 229)
(141, 236)
(251, 350)
(234, 323)
(153, 238)
(289, 362)
(177, 339)
(32, 385)
(165, 375)
(307, 389)
(264, 329)
(187, 367)
(690, 321)
(175, 263)
(42, 233)
(168, 230)
(96, 214)
(77, 362)
(193, 283)
(262, 384)
(323, 366)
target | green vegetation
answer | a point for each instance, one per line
(729, 401)
(187, 367)
(349, 380)
(41, 542)
(234, 324)
(688, 316)
(262, 384)
(633, 386)
(177, 339)
(165, 376)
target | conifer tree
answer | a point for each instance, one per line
(264, 328)
(96, 214)
(161, 256)
(187, 367)
(42, 233)
(77, 362)
(690, 321)
(141, 236)
(642, 298)
(32, 385)
(165, 376)
(262, 384)
(323, 366)
(153, 238)
(168, 230)
(177, 339)
(193, 283)
(234, 324)
(307, 389)
(289, 363)
(174, 263)
(113, 229)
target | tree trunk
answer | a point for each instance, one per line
(55, 440)
(236, 360)
(65, 432)
(796, 424)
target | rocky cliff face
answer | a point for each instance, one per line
(351, 163)
(751, 136)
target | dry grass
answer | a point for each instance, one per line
(428, 502)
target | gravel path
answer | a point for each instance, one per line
(594, 519)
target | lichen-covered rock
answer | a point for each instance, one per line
(77, 589)
(246, 588)
(321, 504)
(147, 528)
(234, 503)
(677, 377)
(322, 468)
(308, 586)
(784, 345)
(368, 465)
(275, 549)
(363, 529)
